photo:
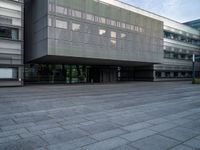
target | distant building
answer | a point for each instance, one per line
(194, 24)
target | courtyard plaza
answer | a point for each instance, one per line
(124, 116)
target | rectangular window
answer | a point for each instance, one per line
(119, 24)
(128, 26)
(61, 24)
(102, 20)
(113, 23)
(50, 22)
(8, 33)
(96, 19)
(61, 10)
(123, 25)
(113, 42)
(113, 34)
(76, 13)
(8, 73)
(50, 7)
(136, 28)
(89, 17)
(108, 21)
(76, 27)
(113, 38)
(141, 29)
(132, 27)
(102, 31)
(14, 34)
(123, 35)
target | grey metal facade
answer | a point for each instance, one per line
(90, 32)
(112, 33)
(11, 42)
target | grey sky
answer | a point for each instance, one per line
(179, 10)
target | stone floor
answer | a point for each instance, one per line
(129, 116)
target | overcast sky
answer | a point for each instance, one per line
(179, 10)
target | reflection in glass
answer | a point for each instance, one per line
(102, 32)
(8, 33)
(76, 27)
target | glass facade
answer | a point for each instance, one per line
(172, 74)
(194, 24)
(52, 73)
(181, 38)
(176, 55)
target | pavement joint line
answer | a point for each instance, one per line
(181, 143)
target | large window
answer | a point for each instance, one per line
(61, 10)
(76, 27)
(8, 33)
(113, 34)
(123, 35)
(113, 39)
(76, 13)
(61, 24)
(8, 73)
(89, 17)
(102, 32)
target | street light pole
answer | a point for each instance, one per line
(193, 68)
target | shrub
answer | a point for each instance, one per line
(197, 81)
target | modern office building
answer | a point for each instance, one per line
(11, 42)
(195, 24)
(84, 41)
(105, 41)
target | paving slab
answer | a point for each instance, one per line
(194, 143)
(133, 136)
(180, 134)
(155, 142)
(182, 147)
(106, 144)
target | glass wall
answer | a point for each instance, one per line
(56, 73)
(181, 38)
(173, 74)
(177, 56)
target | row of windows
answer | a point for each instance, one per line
(102, 32)
(181, 32)
(9, 33)
(94, 18)
(181, 38)
(180, 50)
(175, 55)
(76, 27)
(173, 74)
